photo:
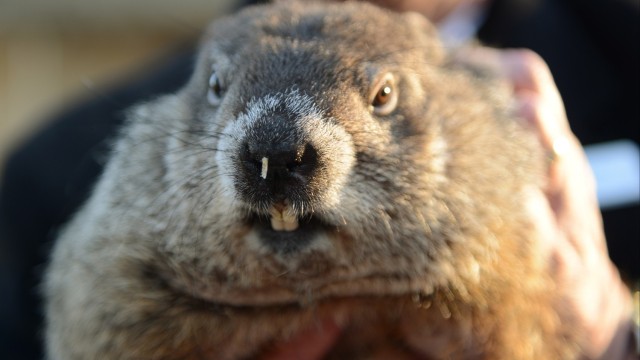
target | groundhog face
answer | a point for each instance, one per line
(324, 164)
(316, 159)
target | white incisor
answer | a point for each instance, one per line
(283, 219)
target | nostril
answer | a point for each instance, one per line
(306, 160)
(291, 167)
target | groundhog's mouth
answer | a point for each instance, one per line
(284, 231)
(283, 218)
(295, 237)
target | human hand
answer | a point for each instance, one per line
(566, 212)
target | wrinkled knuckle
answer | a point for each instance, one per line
(529, 58)
(531, 65)
(530, 107)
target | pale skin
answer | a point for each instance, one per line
(565, 212)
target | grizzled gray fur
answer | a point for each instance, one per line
(323, 162)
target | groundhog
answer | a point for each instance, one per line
(325, 164)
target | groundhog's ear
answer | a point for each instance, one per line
(427, 31)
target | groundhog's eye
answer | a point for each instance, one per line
(385, 97)
(215, 92)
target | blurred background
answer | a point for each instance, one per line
(56, 53)
(68, 68)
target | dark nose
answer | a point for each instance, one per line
(278, 168)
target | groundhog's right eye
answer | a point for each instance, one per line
(215, 92)
(384, 97)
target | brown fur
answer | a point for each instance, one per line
(425, 245)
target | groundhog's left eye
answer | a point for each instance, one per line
(215, 92)
(385, 96)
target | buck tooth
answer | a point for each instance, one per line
(288, 216)
(277, 224)
(283, 220)
(291, 225)
(275, 213)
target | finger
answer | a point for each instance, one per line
(572, 194)
(312, 343)
(533, 108)
(524, 68)
(532, 83)
(532, 79)
(571, 186)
